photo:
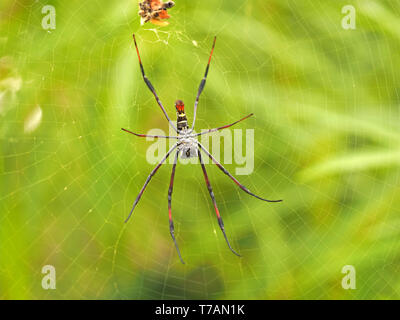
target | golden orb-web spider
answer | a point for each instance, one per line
(187, 146)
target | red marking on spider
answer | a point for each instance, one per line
(180, 106)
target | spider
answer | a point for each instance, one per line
(186, 147)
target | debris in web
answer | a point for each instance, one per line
(155, 11)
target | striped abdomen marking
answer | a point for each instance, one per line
(182, 122)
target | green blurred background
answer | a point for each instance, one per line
(326, 104)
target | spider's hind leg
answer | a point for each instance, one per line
(152, 173)
(221, 167)
(171, 223)
(210, 190)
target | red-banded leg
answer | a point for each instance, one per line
(232, 177)
(223, 127)
(202, 84)
(210, 190)
(152, 173)
(149, 136)
(150, 86)
(171, 223)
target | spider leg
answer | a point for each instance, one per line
(210, 190)
(232, 177)
(150, 86)
(223, 127)
(148, 136)
(152, 173)
(171, 223)
(202, 84)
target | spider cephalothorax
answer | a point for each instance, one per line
(187, 146)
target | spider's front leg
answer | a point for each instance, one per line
(150, 86)
(202, 84)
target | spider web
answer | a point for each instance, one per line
(326, 110)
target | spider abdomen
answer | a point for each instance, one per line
(189, 152)
(188, 148)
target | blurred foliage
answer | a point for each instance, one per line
(326, 104)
